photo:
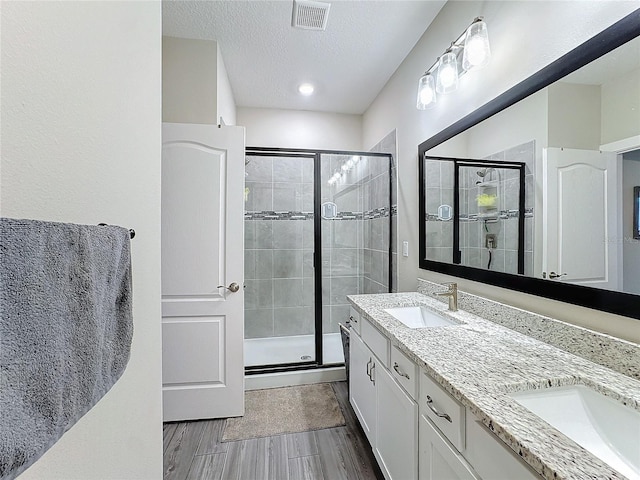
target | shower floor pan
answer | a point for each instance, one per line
(291, 349)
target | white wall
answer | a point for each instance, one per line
(267, 127)
(195, 84)
(525, 36)
(226, 104)
(189, 81)
(80, 137)
(630, 246)
(621, 107)
(574, 116)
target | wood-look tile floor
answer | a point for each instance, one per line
(193, 450)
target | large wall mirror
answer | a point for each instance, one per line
(534, 191)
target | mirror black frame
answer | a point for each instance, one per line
(619, 303)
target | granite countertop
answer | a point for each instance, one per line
(480, 363)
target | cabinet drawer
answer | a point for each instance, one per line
(354, 319)
(404, 371)
(376, 341)
(490, 457)
(443, 410)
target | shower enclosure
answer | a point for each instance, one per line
(476, 214)
(317, 228)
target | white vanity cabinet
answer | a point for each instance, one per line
(454, 444)
(442, 434)
(362, 387)
(388, 414)
(417, 429)
(439, 460)
(396, 429)
(490, 457)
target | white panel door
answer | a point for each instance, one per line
(202, 254)
(581, 217)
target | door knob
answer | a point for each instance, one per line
(234, 287)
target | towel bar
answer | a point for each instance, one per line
(132, 232)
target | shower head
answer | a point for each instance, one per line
(482, 173)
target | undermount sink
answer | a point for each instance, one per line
(606, 428)
(419, 317)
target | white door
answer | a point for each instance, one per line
(581, 209)
(202, 249)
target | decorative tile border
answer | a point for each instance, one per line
(473, 217)
(368, 215)
(270, 215)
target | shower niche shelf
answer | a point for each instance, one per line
(488, 200)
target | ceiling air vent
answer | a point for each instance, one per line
(310, 15)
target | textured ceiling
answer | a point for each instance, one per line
(266, 59)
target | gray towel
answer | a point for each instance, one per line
(65, 330)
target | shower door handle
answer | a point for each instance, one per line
(233, 287)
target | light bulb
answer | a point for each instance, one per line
(426, 92)
(447, 80)
(477, 51)
(305, 89)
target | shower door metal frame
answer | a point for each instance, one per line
(469, 162)
(316, 155)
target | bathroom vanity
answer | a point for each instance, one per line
(456, 399)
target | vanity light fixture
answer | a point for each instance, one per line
(470, 51)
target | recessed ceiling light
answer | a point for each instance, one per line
(305, 89)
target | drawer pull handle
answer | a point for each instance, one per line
(432, 408)
(372, 377)
(353, 319)
(369, 368)
(400, 372)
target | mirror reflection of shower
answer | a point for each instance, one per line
(489, 196)
(487, 228)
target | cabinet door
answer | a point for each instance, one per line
(396, 429)
(490, 457)
(438, 459)
(362, 388)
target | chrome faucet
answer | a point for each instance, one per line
(452, 293)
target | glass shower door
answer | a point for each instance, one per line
(279, 271)
(356, 237)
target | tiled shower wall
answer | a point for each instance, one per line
(376, 229)
(355, 250)
(279, 236)
(279, 283)
(439, 190)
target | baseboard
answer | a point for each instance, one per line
(288, 379)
